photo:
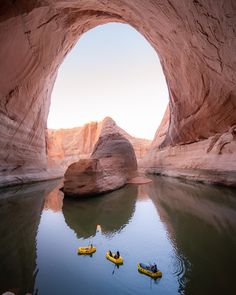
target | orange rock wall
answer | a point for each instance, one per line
(195, 40)
(65, 146)
(211, 160)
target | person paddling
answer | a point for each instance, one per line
(153, 267)
(117, 255)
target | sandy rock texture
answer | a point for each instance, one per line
(65, 146)
(111, 165)
(196, 43)
(212, 160)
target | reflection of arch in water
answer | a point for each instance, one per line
(20, 211)
(201, 222)
(111, 211)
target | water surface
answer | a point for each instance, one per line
(188, 229)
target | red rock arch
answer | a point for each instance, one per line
(195, 40)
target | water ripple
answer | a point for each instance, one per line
(181, 268)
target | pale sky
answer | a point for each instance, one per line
(112, 71)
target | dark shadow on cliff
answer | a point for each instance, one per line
(111, 211)
(20, 211)
(201, 223)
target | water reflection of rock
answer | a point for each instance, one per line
(54, 200)
(20, 210)
(112, 211)
(201, 221)
(142, 193)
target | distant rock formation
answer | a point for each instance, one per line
(66, 146)
(111, 165)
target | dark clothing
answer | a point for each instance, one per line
(117, 255)
(154, 268)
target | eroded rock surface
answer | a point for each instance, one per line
(66, 146)
(111, 165)
(196, 43)
(211, 160)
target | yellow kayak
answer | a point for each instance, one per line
(147, 271)
(113, 259)
(86, 250)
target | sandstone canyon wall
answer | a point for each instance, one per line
(65, 146)
(211, 160)
(196, 43)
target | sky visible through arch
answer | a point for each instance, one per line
(112, 71)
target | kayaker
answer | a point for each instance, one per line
(154, 267)
(110, 253)
(91, 246)
(117, 255)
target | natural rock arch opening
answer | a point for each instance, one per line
(195, 41)
(112, 71)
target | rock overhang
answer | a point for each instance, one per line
(195, 41)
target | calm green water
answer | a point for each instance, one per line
(189, 230)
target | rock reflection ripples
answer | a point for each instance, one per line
(181, 268)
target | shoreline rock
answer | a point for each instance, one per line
(139, 180)
(209, 161)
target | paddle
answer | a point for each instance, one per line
(116, 266)
(114, 270)
(150, 283)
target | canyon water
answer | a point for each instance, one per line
(187, 229)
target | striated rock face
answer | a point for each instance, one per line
(162, 130)
(211, 160)
(111, 165)
(65, 146)
(196, 43)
